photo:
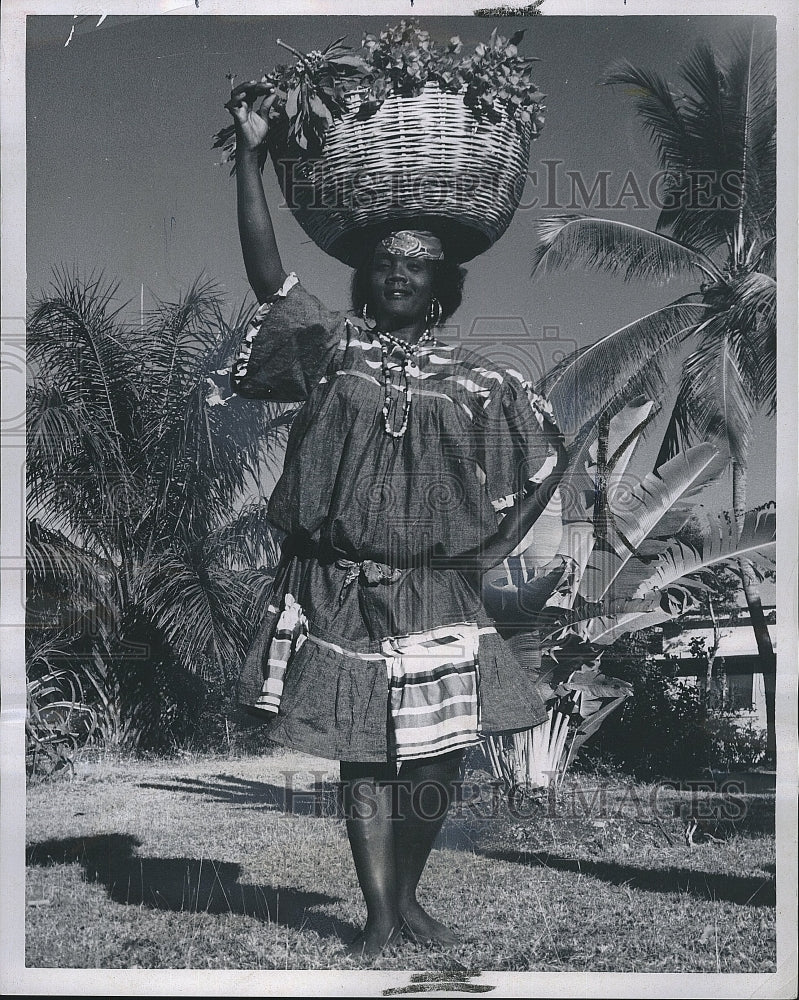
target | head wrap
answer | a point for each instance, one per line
(414, 243)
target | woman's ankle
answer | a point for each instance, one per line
(383, 919)
(407, 901)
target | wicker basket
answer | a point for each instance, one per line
(420, 162)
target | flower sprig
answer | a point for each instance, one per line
(301, 101)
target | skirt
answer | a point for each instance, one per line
(358, 662)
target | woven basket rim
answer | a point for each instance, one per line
(467, 230)
(349, 116)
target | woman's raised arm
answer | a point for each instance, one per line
(258, 245)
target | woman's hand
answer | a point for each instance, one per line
(251, 126)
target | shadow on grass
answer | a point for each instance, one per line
(320, 799)
(185, 884)
(742, 889)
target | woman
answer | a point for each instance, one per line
(376, 650)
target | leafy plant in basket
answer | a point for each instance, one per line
(401, 59)
(496, 77)
(302, 101)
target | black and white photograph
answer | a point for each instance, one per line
(399, 550)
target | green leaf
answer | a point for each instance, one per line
(644, 509)
(320, 109)
(292, 102)
(333, 45)
(350, 62)
(630, 360)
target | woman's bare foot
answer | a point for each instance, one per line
(424, 929)
(373, 940)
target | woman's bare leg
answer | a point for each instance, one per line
(368, 793)
(426, 789)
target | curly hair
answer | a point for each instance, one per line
(448, 279)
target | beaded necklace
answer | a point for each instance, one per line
(410, 352)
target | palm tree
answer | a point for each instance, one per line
(140, 570)
(716, 145)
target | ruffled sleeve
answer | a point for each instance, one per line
(289, 344)
(518, 440)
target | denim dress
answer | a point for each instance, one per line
(367, 651)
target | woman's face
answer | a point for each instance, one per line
(400, 288)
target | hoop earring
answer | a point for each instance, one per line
(365, 317)
(434, 313)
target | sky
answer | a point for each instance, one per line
(122, 177)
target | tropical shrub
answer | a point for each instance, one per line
(667, 729)
(58, 718)
(145, 563)
(599, 566)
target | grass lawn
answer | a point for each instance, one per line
(203, 863)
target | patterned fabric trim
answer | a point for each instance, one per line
(542, 409)
(218, 396)
(429, 353)
(240, 365)
(432, 677)
(433, 686)
(290, 633)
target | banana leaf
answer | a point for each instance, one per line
(683, 564)
(656, 506)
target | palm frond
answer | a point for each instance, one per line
(623, 364)
(57, 564)
(73, 334)
(604, 630)
(200, 610)
(75, 467)
(751, 82)
(679, 432)
(659, 108)
(710, 122)
(200, 457)
(56, 429)
(684, 566)
(716, 390)
(751, 325)
(617, 248)
(249, 540)
(716, 141)
(258, 584)
(85, 391)
(178, 336)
